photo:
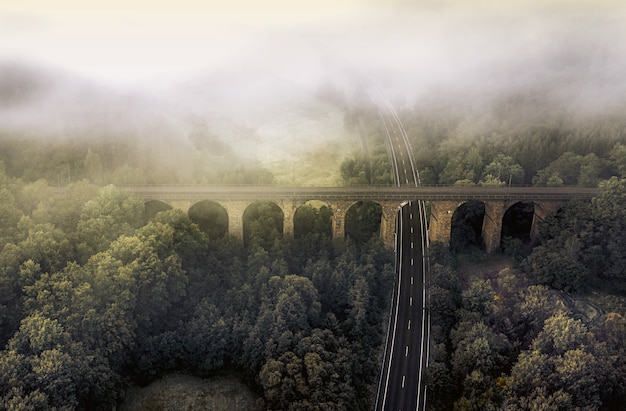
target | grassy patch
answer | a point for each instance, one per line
(480, 266)
(185, 392)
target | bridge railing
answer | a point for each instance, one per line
(365, 192)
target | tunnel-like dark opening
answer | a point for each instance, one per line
(210, 217)
(516, 224)
(467, 226)
(262, 224)
(152, 208)
(363, 221)
(313, 217)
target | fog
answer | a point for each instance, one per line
(252, 71)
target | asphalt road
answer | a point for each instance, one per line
(406, 351)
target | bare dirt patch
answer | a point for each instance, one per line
(179, 392)
(482, 267)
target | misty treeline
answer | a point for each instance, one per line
(505, 144)
(528, 338)
(127, 158)
(517, 139)
(94, 298)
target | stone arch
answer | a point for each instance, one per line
(152, 208)
(517, 222)
(440, 219)
(466, 226)
(211, 217)
(263, 222)
(363, 220)
(313, 216)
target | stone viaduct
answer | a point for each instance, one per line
(442, 200)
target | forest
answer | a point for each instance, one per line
(100, 291)
(498, 144)
(95, 297)
(548, 332)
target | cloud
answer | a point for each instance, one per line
(470, 50)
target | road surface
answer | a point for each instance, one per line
(402, 385)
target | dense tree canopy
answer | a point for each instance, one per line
(94, 297)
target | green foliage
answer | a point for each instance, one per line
(110, 214)
(93, 296)
(363, 221)
(210, 218)
(309, 219)
(503, 170)
(466, 226)
(126, 160)
(582, 248)
(571, 169)
(262, 224)
(566, 362)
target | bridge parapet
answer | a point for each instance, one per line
(373, 193)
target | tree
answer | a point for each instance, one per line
(9, 216)
(617, 158)
(93, 167)
(571, 169)
(503, 169)
(111, 214)
(556, 269)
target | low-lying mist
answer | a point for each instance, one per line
(273, 86)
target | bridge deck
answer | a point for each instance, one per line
(379, 193)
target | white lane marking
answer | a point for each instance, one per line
(395, 321)
(410, 215)
(412, 245)
(412, 261)
(408, 327)
(403, 380)
(407, 180)
(410, 300)
(406, 351)
(411, 230)
(411, 280)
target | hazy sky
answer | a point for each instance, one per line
(418, 46)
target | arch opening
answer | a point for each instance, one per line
(262, 223)
(363, 221)
(467, 226)
(516, 225)
(210, 217)
(313, 217)
(152, 208)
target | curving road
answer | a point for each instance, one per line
(402, 385)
